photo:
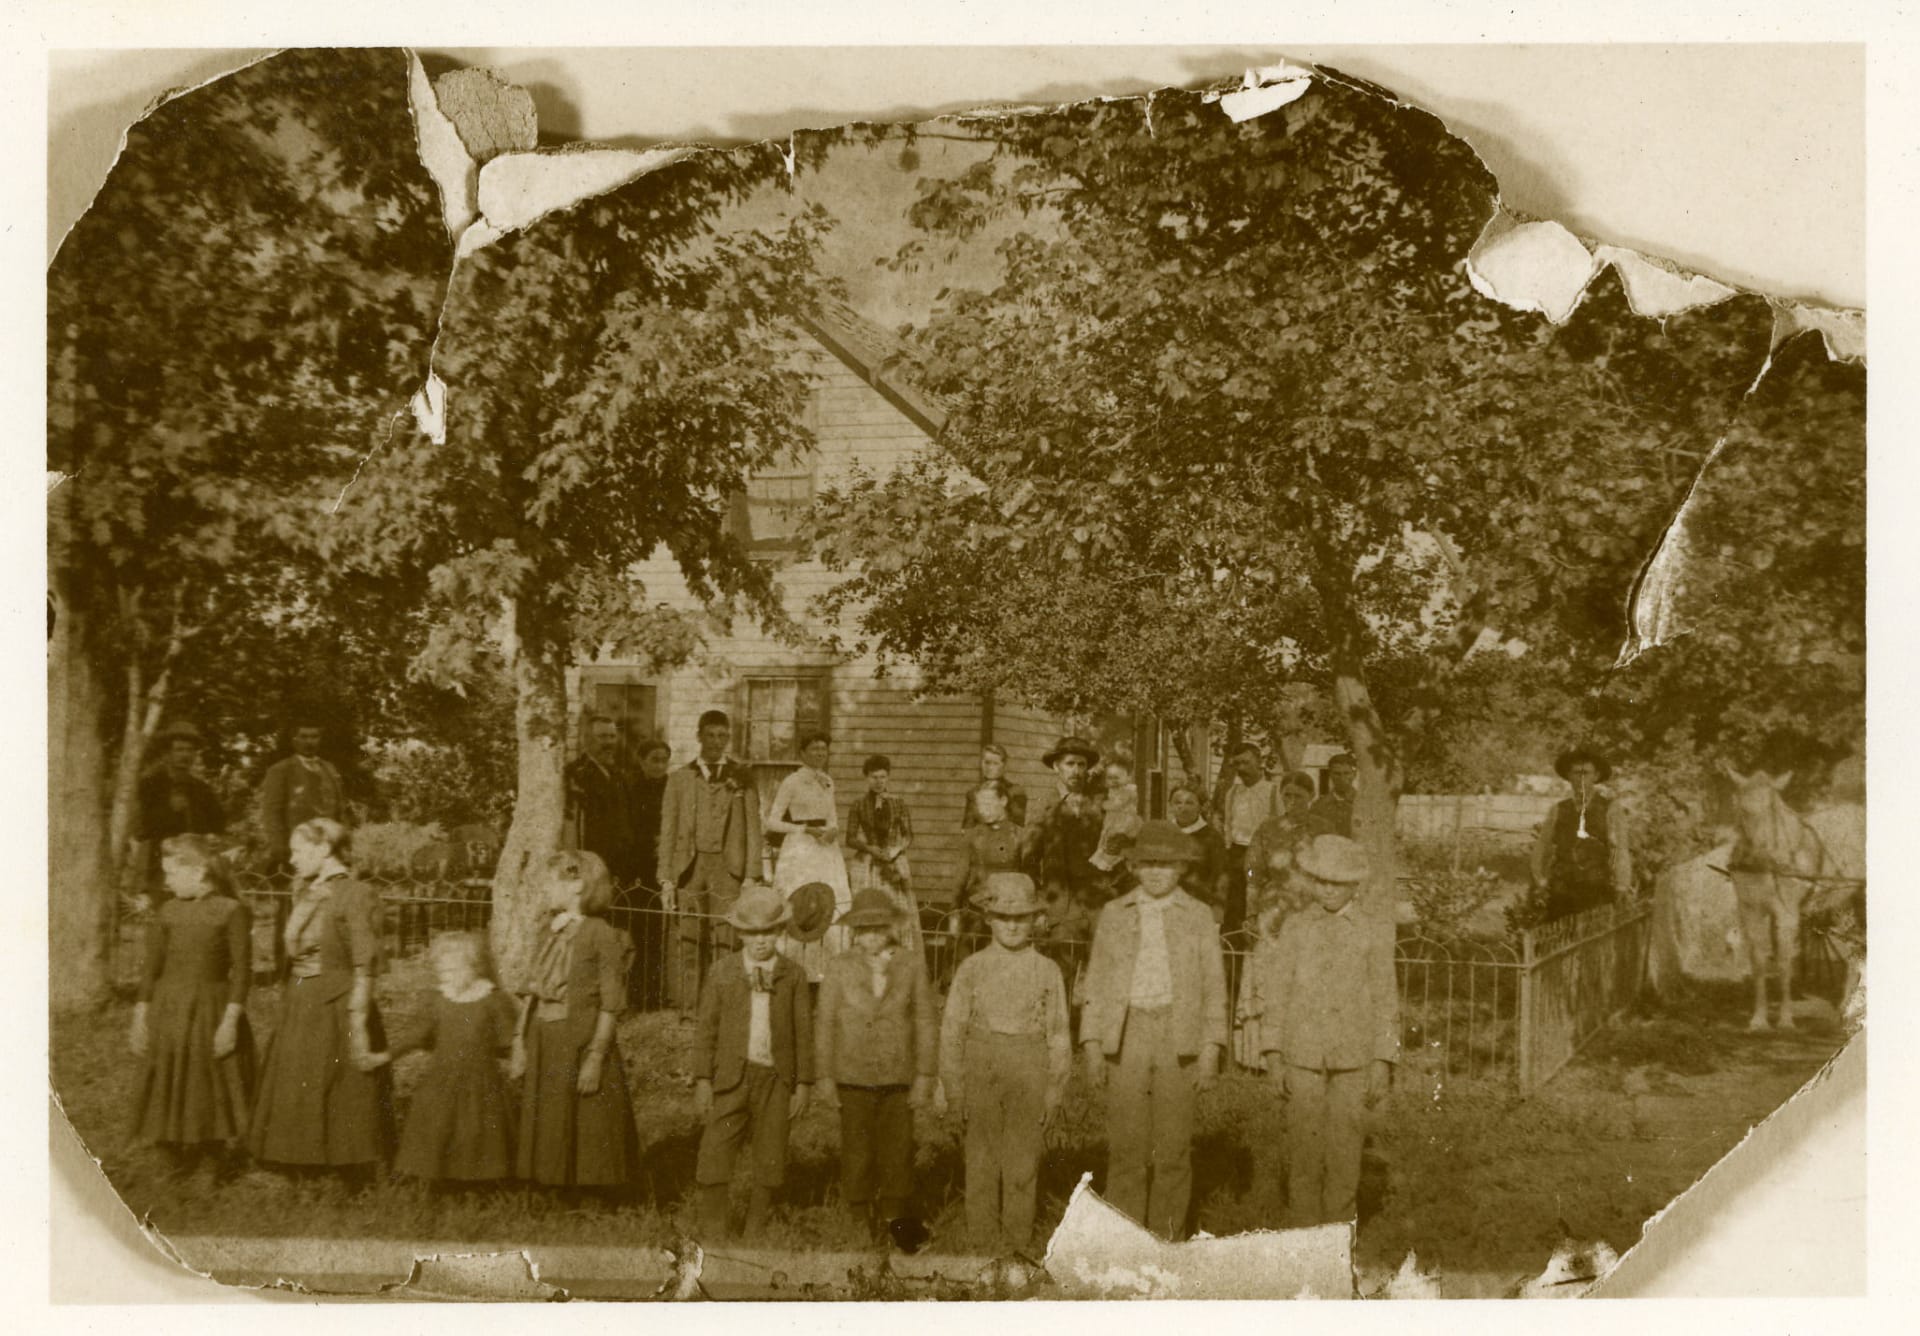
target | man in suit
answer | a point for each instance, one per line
(648, 791)
(171, 800)
(1251, 800)
(298, 789)
(1333, 810)
(1153, 1030)
(599, 804)
(709, 842)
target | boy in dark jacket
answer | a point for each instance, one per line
(752, 1061)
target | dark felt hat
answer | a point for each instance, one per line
(811, 908)
(180, 730)
(1574, 755)
(872, 908)
(1071, 746)
(1162, 842)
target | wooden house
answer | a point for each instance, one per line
(774, 691)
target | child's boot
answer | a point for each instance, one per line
(713, 1211)
(759, 1207)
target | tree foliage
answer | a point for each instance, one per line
(1235, 418)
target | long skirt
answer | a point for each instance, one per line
(315, 1107)
(804, 859)
(188, 1096)
(568, 1139)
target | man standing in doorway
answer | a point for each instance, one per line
(648, 791)
(1581, 859)
(599, 806)
(709, 843)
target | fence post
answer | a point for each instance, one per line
(1526, 1012)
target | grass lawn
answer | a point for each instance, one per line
(1471, 1180)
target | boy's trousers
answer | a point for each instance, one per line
(757, 1106)
(876, 1144)
(1006, 1107)
(1326, 1124)
(1150, 1124)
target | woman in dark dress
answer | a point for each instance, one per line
(460, 1126)
(325, 1094)
(190, 1024)
(576, 1121)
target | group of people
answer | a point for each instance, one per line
(820, 990)
(870, 1040)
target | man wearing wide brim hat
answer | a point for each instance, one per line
(1581, 858)
(1154, 1027)
(172, 800)
(1323, 1012)
(1063, 839)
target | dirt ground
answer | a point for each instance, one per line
(1472, 1180)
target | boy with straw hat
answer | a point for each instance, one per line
(1005, 1055)
(752, 1060)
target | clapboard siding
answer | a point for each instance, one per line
(933, 743)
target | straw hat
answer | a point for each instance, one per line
(1332, 858)
(759, 909)
(1008, 894)
(1162, 842)
(811, 909)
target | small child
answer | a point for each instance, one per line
(190, 1024)
(576, 1119)
(874, 1044)
(1156, 1016)
(460, 1127)
(993, 841)
(879, 831)
(1325, 1012)
(1005, 1056)
(752, 1061)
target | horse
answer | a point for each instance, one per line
(1779, 861)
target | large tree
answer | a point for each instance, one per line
(1234, 411)
(614, 371)
(233, 324)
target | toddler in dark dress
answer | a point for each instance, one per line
(460, 1127)
(190, 1024)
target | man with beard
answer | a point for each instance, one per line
(172, 800)
(647, 791)
(600, 805)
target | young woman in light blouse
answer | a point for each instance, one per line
(806, 814)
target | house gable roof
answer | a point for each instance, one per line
(873, 354)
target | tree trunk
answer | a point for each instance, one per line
(1378, 775)
(80, 899)
(539, 807)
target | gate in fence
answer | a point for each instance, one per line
(1471, 1010)
(1579, 974)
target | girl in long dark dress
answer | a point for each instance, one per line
(325, 1091)
(190, 1024)
(576, 1120)
(460, 1126)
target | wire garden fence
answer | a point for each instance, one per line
(1472, 1010)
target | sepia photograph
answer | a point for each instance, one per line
(1153, 692)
